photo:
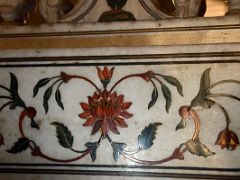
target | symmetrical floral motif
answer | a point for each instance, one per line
(106, 110)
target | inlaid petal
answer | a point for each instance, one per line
(120, 122)
(126, 114)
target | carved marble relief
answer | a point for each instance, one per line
(177, 8)
(11, 10)
(56, 11)
(65, 11)
(88, 112)
(116, 14)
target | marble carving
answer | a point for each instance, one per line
(11, 10)
(56, 11)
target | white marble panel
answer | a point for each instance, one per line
(53, 140)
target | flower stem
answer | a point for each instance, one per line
(175, 155)
(109, 139)
(130, 152)
(124, 78)
(3, 87)
(223, 82)
(227, 118)
(224, 95)
(5, 105)
(6, 97)
(196, 120)
(86, 79)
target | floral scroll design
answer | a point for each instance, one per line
(107, 110)
(205, 98)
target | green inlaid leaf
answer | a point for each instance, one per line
(40, 84)
(206, 103)
(205, 80)
(13, 105)
(64, 136)
(199, 149)
(14, 91)
(154, 98)
(168, 96)
(93, 147)
(46, 98)
(117, 149)
(34, 124)
(145, 139)
(21, 145)
(181, 125)
(203, 90)
(174, 81)
(14, 84)
(58, 99)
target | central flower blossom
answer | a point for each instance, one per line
(105, 111)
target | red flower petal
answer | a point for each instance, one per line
(96, 95)
(90, 100)
(99, 111)
(126, 114)
(105, 72)
(85, 106)
(85, 115)
(100, 74)
(120, 122)
(90, 121)
(96, 127)
(113, 127)
(126, 105)
(113, 95)
(104, 128)
(120, 99)
(105, 94)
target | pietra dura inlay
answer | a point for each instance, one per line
(143, 118)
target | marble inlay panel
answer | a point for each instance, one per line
(109, 117)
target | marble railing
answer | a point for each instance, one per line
(55, 11)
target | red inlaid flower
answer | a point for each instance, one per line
(105, 75)
(227, 139)
(105, 111)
